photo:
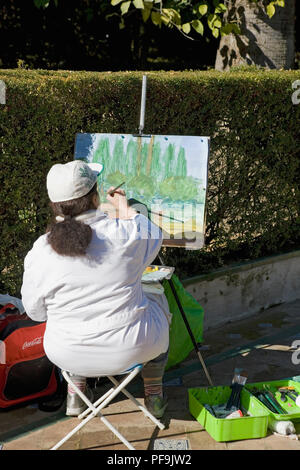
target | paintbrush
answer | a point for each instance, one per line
(112, 191)
(135, 204)
(167, 216)
(238, 383)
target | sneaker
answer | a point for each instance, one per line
(156, 404)
(75, 405)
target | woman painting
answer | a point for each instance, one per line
(83, 277)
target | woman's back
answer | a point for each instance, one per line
(105, 285)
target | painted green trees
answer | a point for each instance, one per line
(151, 169)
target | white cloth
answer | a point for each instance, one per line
(99, 320)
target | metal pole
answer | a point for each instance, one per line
(143, 104)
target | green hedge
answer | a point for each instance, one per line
(254, 174)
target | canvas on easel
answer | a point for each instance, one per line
(167, 173)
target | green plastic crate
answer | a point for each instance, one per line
(223, 430)
(292, 412)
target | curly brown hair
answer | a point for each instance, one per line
(71, 237)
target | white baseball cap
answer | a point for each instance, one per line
(71, 180)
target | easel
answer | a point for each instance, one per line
(140, 134)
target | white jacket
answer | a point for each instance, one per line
(98, 318)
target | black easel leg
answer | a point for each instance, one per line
(188, 326)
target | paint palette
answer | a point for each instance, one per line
(155, 273)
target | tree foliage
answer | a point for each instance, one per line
(188, 15)
(201, 16)
(85, 35)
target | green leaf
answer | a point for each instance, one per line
(226, 29)
(115, 2)
(138, 4)
(198, 26)
(156, 18)
(210, 20)
(217, 23)
(125, 7)
(221, 8)
(146, 12)
(186, 28)
(203, 9)
(215, 32)
(169, 14)
(235, 28)
(41, 3)
(270, 10)
(165, 19)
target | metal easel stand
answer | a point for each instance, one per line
(141, 128)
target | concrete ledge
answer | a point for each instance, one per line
(244, 289)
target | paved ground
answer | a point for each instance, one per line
(28, 428)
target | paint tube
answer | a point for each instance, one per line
(235, 414)
(282, 427)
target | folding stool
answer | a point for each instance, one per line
(94, 409)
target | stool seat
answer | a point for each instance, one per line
(94, 409)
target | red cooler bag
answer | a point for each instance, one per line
(25, 371)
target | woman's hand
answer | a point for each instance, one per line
(119, 201)
(118, 198)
